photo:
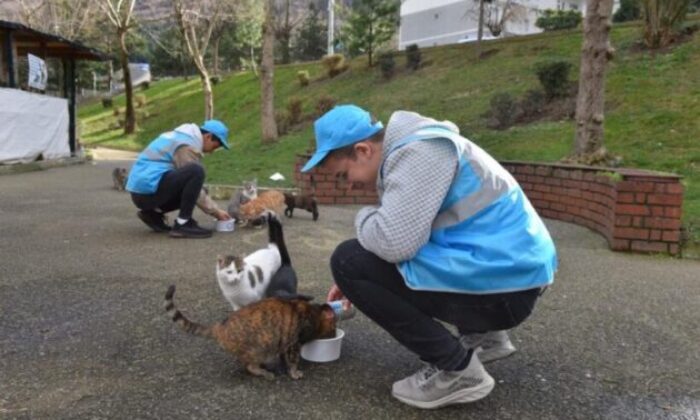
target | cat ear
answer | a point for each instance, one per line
(220, 261)
(327, 312)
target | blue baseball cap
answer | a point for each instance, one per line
(218, 129)
(339, 127)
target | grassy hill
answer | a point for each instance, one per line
(652, 116)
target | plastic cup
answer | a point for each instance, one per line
(225, 225)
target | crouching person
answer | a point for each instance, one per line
(168, 175)
(453, 239)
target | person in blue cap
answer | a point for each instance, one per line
(453, 239)
(168, 176)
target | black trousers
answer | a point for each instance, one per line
(378, 290)
(178, 189)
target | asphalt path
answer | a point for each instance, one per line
(83, 333)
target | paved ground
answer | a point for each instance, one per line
(83, 333)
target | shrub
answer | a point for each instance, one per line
(387, 64)
(532, 103)
(334, 64)
(145, 86)
(324, 104)
(661, 18)
(413, 57)
(554, 20)
(303, 77)
(503, 110)
(629, 10)
(140, 101)
(107, 102)
(282, 120)
(214, 80)
(554, 77)
(294, 109)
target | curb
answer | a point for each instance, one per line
(20, 168)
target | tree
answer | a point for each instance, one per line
(249, 34)
(119, 14)
(661, 17)
(370, 24)
(284, 26)
(498, 14)
(70, 19)
(595, 54)
(310, 42)
(198, 21)
(267, 68)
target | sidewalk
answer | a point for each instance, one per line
(83, 333)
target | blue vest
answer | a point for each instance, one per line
(486, 238)
(157, 158)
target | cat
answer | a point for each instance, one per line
(306, 202)
(254, 209)
(264, 273)
(242, 196)
(119, 176)
(263, 332)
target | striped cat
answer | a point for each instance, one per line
(264, 331)
(266, 272)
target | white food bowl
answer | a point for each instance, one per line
(225, 225)
(323, 350)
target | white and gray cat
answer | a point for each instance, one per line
(242, 196)
(266, 272)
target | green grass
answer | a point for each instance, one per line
(653, 104)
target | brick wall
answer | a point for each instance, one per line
(634, 210)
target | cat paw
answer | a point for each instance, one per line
(296, 374)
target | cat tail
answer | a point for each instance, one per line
(181, 320)
(277, 237)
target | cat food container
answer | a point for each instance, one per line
(225, 225)
(323, 350)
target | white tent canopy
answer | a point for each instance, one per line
(32, 125)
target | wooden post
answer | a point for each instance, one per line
(10, 58)
(69, 93)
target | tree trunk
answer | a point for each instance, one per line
(215, 56)
(267, 67)
(369, 44)
(286, 37)
(208, 94)
(595, 54)
(129, 118)
(480, 29)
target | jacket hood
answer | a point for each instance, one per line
(192, 131)
(403, 123)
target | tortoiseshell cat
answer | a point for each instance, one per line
(254, 209)
(119, 176)
(306, 202)
(264, 331)
(242, 196)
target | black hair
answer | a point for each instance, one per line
(213, 135)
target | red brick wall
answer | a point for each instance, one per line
(634, 210)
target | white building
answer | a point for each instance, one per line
(437, 22)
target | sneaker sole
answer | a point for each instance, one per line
(174, 234)
(486, 356)
(462, 396)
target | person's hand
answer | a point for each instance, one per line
(335, 294)
(222, 215)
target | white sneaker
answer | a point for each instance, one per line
(490, 346)
(431, 387)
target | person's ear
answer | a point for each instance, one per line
(363, 149)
